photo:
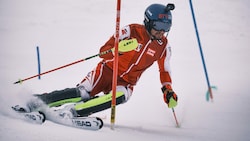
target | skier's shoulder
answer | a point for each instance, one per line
(131, 30)
(135, 26)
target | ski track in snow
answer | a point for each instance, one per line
(66, 31)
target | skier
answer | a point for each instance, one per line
(152, 47)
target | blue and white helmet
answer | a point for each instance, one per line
(158, 17)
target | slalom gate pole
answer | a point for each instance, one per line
(38, 62)
(202, 56)
(102, 53)
(115, 65)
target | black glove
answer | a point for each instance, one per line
(169, 96)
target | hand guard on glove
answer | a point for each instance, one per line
(169, 96)
(126, 45)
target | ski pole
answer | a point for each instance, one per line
(102, 53)
(176, 121)
(124, 46)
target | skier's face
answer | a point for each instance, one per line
(157, 34)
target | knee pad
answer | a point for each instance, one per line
(83, 92)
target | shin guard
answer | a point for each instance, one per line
(57, 98)
(98, 104)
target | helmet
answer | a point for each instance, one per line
(158, 17)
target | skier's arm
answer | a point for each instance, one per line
(169, 95)
(164, 67)
(124, 34)
(107, 46)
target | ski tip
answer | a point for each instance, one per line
(99, 119)
(44, 117)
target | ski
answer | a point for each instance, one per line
(38, 117)
(64, 116)
(32, 117)
(89, 123)
(35, 117)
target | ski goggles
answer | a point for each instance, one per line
(165, 26)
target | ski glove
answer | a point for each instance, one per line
(169, 96)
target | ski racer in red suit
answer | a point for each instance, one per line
(152, 47)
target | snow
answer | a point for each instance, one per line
(66, 31)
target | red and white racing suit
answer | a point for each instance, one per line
(131, 64)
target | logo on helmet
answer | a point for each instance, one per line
(163, 16)
(149, 13)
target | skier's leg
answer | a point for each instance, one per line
(73, 95)
(70, 95)
(53, 99)
(103, 102)
(60, 97)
